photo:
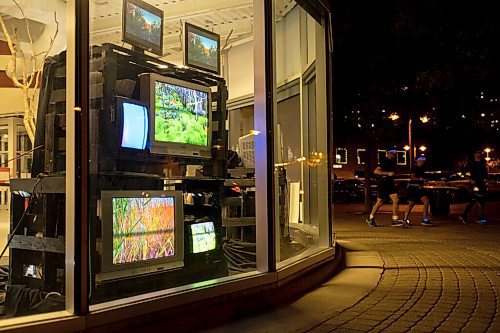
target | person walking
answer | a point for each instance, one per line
(477, 172)
(386, 188)
(416, 193)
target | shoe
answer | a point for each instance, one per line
(426, 222)
(371, 222)
(397, 223)
(406, 223)
(482, 221)
(463, 220)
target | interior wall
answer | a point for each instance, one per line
(289, 121)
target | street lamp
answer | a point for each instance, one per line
(422, 148)
(424, 119)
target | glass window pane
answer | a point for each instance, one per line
(300, 151)
(172, 192)
(32, 194)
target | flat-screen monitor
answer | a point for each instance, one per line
(133, 123)
(203, 237)
(142, 26)
(180, 116)
(201, 49)
(142, 233)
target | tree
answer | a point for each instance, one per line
(29, 80)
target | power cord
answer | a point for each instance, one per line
(13, 233)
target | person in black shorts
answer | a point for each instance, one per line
(416, 193)
(386, 188)
(477, 172)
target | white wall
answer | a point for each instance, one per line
(240, 74)
(288, 46)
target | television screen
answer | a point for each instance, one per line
(181, 114)
(202, 48)
(143, 25)
(203, 237)
(135, 125)
(143, 228)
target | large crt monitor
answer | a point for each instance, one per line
(180, 116)
(142, 233)
(142, 26)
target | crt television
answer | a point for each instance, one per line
(133, 123)
(142, 233)
(180, 116)
(142, 26)
(201, 49)
(202, 236)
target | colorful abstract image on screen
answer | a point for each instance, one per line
(181, 114)
(143, 24)
(143, 229)
(203, 51)
(203, 237)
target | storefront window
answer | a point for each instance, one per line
(33, 225)
(172, 176)
(300, 141)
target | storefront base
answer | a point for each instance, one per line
(204, 307)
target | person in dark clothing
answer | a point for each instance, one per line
(477, 172)
(386, 188)
(416, 192)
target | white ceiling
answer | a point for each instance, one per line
(219, 16)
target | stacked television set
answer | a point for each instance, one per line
(142, 26)
(146, 236)
(142, 233)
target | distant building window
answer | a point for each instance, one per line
(401, 157)
(381, 154)
(361, 156)
(341, 155)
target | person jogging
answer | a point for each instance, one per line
(477, 172)
(416, 193)
(386, 188)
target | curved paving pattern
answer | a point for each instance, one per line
(439, 279)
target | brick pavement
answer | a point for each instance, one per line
(435, 279)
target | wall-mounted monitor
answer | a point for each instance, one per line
(180, 116)
(201, 49)
(133, 122)
(142, 233)
(142, 26)
(203, 237)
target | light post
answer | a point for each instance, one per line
(487, 150)
(410, 147)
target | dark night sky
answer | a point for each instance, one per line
(414, 58)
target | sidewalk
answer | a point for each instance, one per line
(425, 279)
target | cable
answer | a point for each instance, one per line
(12, 234)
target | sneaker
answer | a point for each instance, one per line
(371, 222)
(463, 220)
(406, 223)
(482, 221)
(426, 222)
(397, 223)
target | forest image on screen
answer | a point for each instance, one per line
(203, 51)
(143, 24)
(181, 114)
(143, 229)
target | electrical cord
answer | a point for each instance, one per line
(13, 233)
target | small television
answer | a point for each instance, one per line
(201, 49)
(180, 116)
(142, 233)
(142, 26)
(203, 237)
(133, 122)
